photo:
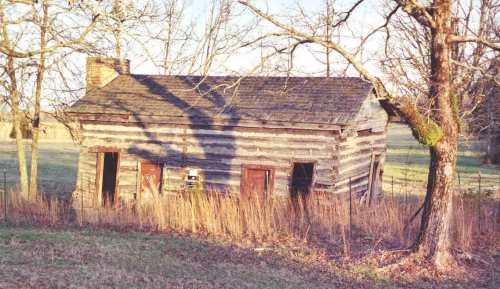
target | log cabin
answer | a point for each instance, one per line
(270, 136)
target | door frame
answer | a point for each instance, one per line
(156, 163)
(99, 174)
(244, 177)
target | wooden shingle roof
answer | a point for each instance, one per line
(318, 100)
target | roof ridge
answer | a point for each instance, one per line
(249, 76)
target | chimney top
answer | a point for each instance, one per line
(102, 70)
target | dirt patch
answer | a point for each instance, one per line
(71, 258)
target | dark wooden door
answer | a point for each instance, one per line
(257, 183)
(150, 177)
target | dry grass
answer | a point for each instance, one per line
(280, 244)
(318, 218)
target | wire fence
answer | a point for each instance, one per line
(343, 215)
(465, 183)
(406, 187)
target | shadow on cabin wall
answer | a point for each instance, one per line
(167, 153)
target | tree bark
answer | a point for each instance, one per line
(38, 94)
(492, 154)
(433, 241)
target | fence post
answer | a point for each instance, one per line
(479, 181)
(81, 202)
(479, 202)
(392, 187)
(5, 195)
(350, 211)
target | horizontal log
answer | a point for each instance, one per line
(152, 153)
(363, 186)
(269, 141)
(354, 172)
(229, 151)
(194, 129)
(148, 120)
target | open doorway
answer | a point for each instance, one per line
(302, 179)
(109, 171)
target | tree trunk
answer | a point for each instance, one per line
(16, 119)
(38, 94)
(492, 154)
(433, 241)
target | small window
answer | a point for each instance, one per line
(192, 179)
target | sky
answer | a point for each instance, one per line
(365, 17)
(142, 53)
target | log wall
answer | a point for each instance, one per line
(218, 155)
(360, 146)
(356, 153)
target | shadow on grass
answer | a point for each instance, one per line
(67, 256)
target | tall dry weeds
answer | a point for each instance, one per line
(317, 217)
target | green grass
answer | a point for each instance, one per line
(407, 163)
(106, 259)
(83, 258)
(58, 165)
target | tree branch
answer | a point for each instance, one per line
(347, 14)
(7, 50)
(484, 72)
(379, 87)
(424, 129)
(480, 40)
(417, 11)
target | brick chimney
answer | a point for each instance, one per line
(102, 70)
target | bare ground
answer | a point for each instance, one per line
(85, 258)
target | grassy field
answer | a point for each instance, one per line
(51, 258)
(57, 165)
(406, 164)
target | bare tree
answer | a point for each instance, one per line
(38, 95)
(19, 33)
(436, 124)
